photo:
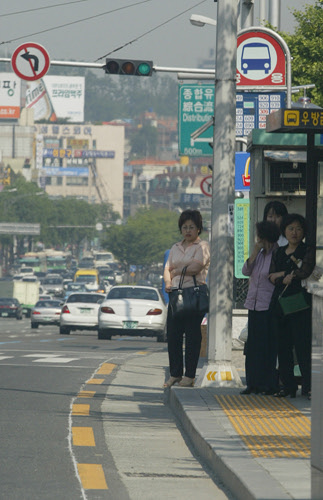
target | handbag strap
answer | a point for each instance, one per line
(284, 288)
(181, 280)
(195, 282)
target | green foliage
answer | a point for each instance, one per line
(32, 205)
(145, 237)
(306, 47)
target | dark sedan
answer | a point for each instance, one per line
(10, 308)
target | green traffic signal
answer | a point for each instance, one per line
(128, 67)
(144, 69)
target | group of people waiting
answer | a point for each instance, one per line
(279, 261)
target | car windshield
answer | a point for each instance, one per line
(89, 298)
(48, 303)
(8, 302)
(52, 281)
(86, 278)
(132, 293)
(74, 287)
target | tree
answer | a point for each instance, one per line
(144, 239)
(306, 47)
(30, 204)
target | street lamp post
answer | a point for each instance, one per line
(218, 371)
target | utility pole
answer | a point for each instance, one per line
(218, 371)
(246, 13)
(274, 13)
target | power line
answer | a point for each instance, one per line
(151, 30)
(41, 8)
(75, 22)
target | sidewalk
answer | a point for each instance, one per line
(258, 445)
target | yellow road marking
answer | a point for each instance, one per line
(97, 381)
(81, 410)
(106, 369)
(269, 426)
(83, 436)
(86, 394)
(142, 352)
(92, 476)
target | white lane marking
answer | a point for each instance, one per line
(49, 358)
(5, 357)
(55, 360)
(41, 355)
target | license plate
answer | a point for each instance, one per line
(85, 311)
(130, 324)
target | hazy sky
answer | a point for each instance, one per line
(177, 43)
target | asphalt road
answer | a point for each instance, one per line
(48, 383)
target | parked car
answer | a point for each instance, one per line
(46, 312)
(80, 312)
(133, 310)
(11, 308)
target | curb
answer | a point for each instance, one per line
(220, 447)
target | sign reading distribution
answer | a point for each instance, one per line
(196, 107)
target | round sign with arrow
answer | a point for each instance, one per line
(30, 61)
(206, 185)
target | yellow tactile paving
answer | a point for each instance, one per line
(106, 369)
(83, 436)
(92, 476)
(80, 410)
(96, 381)
(86, 394)
(270, 427)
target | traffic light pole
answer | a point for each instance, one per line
(165, 69)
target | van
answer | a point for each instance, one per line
(89, 277)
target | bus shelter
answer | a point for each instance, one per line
(310, 122)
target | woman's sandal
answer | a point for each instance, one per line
(171, 381)
(186, 382)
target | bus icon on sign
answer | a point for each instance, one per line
(255, 56)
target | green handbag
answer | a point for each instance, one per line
(292, 303)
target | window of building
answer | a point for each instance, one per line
(48, 181)
(77, 181)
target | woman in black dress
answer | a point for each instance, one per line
(290, 265)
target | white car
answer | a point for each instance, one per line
(133, 310)
(80, 312)
(46, 312)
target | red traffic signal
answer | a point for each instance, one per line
(128, 67)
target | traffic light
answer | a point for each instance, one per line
(128, 67)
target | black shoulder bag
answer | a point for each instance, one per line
(188, 301)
